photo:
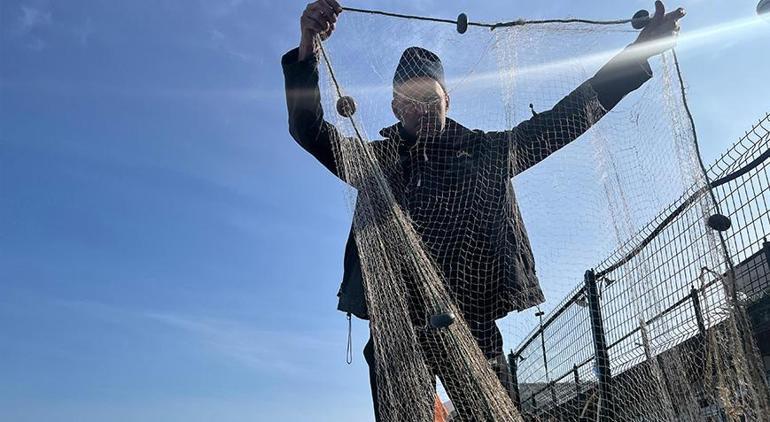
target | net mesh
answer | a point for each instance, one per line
(453, 276)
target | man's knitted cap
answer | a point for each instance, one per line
(418, 62)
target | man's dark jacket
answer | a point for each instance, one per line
(473, 158)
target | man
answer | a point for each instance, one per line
(431, 160)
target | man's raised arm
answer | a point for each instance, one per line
(535, 139)
(303, 98)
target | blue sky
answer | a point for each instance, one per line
(167, 253)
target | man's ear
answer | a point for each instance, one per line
(446, 98)
(395, 108)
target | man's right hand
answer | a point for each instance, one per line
(319, 18)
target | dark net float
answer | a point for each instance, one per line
(640, 19)
(346, 106)
(763, 8)
(442, 320)
(719, 222)
(462, 23)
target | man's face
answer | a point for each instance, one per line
(421, 105)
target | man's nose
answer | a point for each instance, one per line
(421, 109)
(428, 110)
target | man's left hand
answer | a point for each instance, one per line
(660, 33)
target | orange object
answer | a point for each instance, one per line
(440, 412)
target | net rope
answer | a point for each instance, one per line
(492, 26)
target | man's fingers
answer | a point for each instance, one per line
(317, 25)
(326, 11)
(327, 17)
(322, 18)
(334, 5)
(322, 8)
(326, 7)
(330, 19)
(676, 14)
(660, 11)
(671, 23)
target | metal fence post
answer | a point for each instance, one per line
(578, 393)
(602, 359)
(514, 366)
(551, 387)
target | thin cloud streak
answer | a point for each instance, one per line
(32, 18)
(265, 351)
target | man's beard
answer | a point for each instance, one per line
(429, 128)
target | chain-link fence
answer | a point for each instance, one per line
(651, 306)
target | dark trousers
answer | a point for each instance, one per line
(490, 341)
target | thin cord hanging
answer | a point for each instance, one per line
(349, 347)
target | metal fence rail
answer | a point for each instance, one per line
(660, 292)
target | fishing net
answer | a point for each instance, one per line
(521, 223)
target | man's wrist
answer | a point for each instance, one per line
(641, 51)
(307, 48)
